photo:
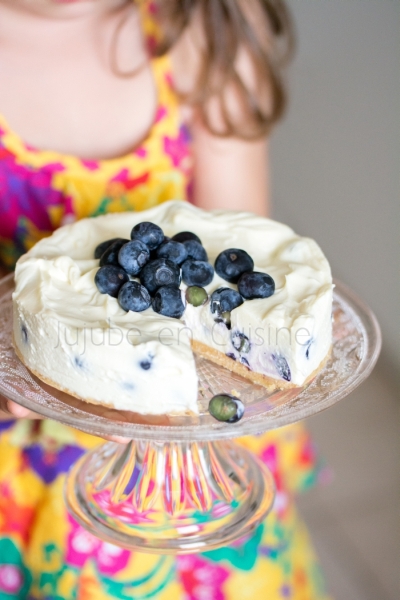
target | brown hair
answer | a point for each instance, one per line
(263, 29)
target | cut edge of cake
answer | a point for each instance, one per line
(270, 383)
(206, 352)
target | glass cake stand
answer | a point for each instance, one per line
(181, 484)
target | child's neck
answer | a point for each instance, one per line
(58, 90)
(58, 10)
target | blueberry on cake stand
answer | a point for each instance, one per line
(182, 484)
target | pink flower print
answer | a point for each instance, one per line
(151, 43)
(122, 182)
(82, 546)
(91, 165)
(111, 559)
(141, 152)
(161, 113)
(270, 458)
(11, 579)
(178, 149)
(169, 79)
(128, 182)
(124, 510)
(26, 191)
(201, 579)
(152, 8)
(69, 206)
(30, 148)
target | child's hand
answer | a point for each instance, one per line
(10, 410)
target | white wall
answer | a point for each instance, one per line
(336, 157)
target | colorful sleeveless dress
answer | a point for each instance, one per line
(44, 553)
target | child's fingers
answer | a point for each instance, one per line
(116, 438)
(12, 410)
(5, 414)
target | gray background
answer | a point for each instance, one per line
(336, 157)
(336, 177)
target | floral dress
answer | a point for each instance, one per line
(44, 553)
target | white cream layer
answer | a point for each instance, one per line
(84, 342)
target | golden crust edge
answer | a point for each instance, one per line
(270, 383)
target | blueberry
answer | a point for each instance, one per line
(128, 386)
(231, 263)
(110, 279)
(196, 296)
(197, 272)
(195, 250)
(245, 362)
(184, 236)
(133, 296)
(24, 334)
(256, 285)
(79, 363)
(240, 342)
(110, 256)
(174, 251)
(282, 367)
(160, 272)
(149, 233)
(167, 301)
(308, 348)
(227, 408)
(153, 253)
(101, 248)
(133, 256)
(225, 300)
(145, 364)
(226, 318)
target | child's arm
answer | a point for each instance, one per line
(230, 173)
(10, 410)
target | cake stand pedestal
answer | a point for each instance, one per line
(182, 484)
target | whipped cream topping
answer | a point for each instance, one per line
(80, 339)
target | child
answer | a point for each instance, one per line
(159, 100)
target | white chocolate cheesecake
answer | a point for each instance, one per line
(82, 341)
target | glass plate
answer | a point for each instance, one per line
(356, 346)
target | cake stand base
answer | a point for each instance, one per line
(170, 498)
(182, 486)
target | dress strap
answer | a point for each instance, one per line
(151, 28)
(162, 69)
